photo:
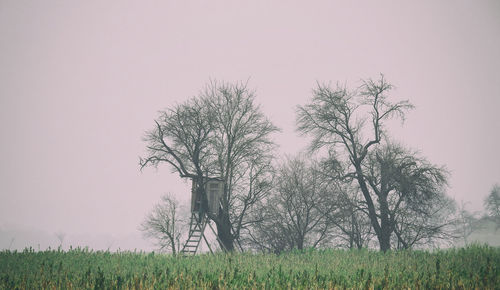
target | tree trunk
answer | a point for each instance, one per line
(173, 243)
(352, 234)
(384, 240)
(401, 241)
(224, 233)
(300, 242)
(386, 227)
(383, 230)
(372, 214)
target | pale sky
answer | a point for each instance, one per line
(80, 82)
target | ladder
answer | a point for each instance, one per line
(196, 233)
(197, 227)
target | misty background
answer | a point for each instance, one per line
(80, 83)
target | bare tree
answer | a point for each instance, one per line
(291, 217)
(434, 226)
(409, 195)
(270, 234)
(344, 210)
(492, 205)
(407, 185)
(164, 225)
(467, 222)
(344, 206)
(337, 120)
(220, 134)
(181, 138)
(243, 147)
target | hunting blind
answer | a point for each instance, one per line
(213, 188)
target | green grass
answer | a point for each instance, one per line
(466, 268)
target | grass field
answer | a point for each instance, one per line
(474, 267)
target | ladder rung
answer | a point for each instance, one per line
(196, 228)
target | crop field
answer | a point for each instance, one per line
(474, 267)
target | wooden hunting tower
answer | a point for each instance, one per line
(213, 189)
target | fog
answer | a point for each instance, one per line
(80, 83)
